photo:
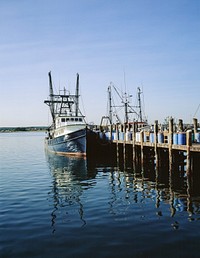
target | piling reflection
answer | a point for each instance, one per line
(166, 184)
(178, 188)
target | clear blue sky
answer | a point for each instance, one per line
(155, 43)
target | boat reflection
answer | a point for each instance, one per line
(71, 177)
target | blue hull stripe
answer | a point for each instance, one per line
(70, 144)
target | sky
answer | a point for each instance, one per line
(152, 44)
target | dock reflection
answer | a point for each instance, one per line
(175, 187)
(170, 188)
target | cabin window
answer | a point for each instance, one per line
(76, 119)
(62, 119)
(67, 119)
(72, 119)
(80, 119)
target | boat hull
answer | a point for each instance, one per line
(73, 143)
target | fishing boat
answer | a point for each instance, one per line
(121, 120)
(121, 112)
(67, 134)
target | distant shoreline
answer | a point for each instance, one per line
(23, 129)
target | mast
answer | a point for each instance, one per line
(139, 103)
(126, 108)
(110, 103)
(77, 94)
(51, 95)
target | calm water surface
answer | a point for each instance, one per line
(63, 207)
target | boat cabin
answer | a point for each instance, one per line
(63, 121)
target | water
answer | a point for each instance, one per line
(60, 207)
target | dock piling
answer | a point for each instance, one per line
(170, 142)
(156, 141)
(189, 144)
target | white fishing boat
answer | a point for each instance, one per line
(68, 133)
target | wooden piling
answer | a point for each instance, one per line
(195, 122)
(134, 151)
(142, 150)
(117, 142)
(124, 144)
(189, 144)
(180, 125)
(170, 142)
(156, 141)
(111, 131)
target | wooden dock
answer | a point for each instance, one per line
(163, 146)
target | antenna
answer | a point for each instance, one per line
(125, 80)
(196, 110)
